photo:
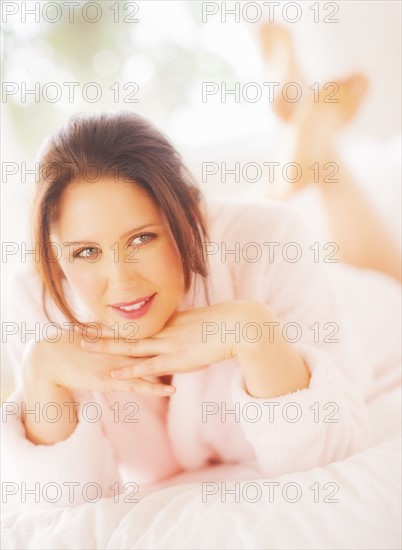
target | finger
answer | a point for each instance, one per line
(155, 366)
(142, 348)
(141, 386)
(144, 368)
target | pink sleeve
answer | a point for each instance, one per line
(326, 421)
(301, 430)
(80, 469)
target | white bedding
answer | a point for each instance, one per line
(173, 514)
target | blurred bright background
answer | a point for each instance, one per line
(168, 53)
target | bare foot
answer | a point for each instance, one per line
(318, 116)
(318, 121)
(281, 65)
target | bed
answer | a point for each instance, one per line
(351, 504)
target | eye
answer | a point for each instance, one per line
(143, 238)
(89, 252)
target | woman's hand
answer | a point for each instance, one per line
(190, 340)
(66, 364)
(193, 339)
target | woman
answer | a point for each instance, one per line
(184, 333)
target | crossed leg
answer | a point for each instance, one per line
(364, 240)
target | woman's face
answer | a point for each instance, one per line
(117, 249)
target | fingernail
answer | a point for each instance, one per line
(117, 374)
(88, 344)
(168, 389)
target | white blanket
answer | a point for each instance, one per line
(353, 504)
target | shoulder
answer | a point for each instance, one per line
(246, 242)
(242, 218)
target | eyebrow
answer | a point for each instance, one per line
(126, 234)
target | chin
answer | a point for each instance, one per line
(136, 329)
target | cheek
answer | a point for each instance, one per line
(84, 282)
(168, 268)
(174, 266)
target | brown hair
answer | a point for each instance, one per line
(129, 146)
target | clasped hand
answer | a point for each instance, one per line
(191, 340)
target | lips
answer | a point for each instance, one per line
(134, 309)
(131, 306)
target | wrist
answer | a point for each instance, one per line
(254, 318)
(271, 367)
(35, 364)
(38, 391)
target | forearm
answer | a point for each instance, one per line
(272, 367)
(45, 425)
(276, 372)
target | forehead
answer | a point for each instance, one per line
(105, 204)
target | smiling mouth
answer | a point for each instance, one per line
(134, 305)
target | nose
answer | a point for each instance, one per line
(123, 275)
